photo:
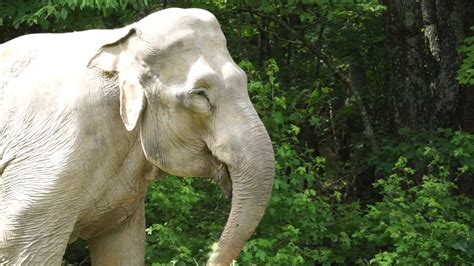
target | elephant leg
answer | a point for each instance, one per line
(124, 245)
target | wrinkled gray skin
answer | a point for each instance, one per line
(88, 118)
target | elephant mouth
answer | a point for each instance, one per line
(220, 174)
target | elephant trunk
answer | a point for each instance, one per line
(252, 174)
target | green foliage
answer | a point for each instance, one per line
(466, 72)
(420, 218)
(184, 217)
(22, 17)
(44, 12)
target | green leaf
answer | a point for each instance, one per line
(278, 118)
(63, 14)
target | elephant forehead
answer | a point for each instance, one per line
(189, 39)
(174, 27)
(182, 64)
(172, 15)
(176, 59)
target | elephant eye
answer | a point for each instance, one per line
(200, 100)
(202, 93)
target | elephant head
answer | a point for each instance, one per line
(181, 89)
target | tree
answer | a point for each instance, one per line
(424, 39)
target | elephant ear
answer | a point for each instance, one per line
(117, 56)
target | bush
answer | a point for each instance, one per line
(421, 218)
(184, 217)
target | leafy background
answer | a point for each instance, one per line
(353, 185)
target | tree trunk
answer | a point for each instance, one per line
(424, 37)
(264, 42)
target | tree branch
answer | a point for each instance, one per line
(338, 73)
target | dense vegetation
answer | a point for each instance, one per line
(370, 108)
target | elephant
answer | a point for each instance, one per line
(88, 119)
